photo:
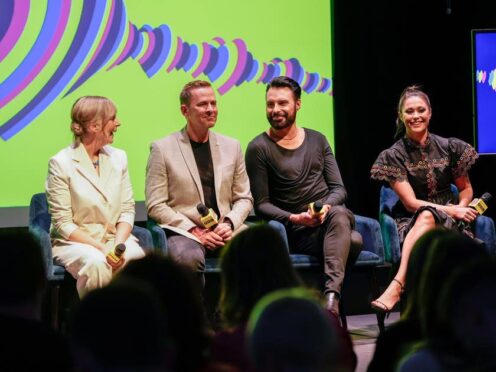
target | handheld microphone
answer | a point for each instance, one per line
(316, 208)
(479, 204)
(208, 217)
(115, 254)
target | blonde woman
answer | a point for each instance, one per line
(90, 197)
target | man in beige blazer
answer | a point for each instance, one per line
(192, 166)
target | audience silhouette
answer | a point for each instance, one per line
(290, 331)
(121, 327)
(25, 342)
(180, 294)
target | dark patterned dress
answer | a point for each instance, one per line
(430, 169)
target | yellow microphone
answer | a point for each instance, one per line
(208, 217)
(480, 205)
(115, 254)
(316, 208)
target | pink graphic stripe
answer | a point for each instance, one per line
(151, 47)
(62, 23)
(19, 18)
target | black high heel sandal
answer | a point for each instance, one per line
(381, 307)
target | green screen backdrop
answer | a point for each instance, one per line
(140, 53)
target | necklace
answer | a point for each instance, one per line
(273, 135)
(96, 163)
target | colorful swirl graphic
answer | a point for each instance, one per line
(481, 77)
(103, 37)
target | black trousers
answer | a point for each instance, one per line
(329, 242)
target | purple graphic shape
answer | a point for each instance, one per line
(239, 69)
(220, 66)
(246, 70)
(184, 56)
(16, 26)
(163, 40)
(43, 48)
(204, 62)
(137, 45)
(193, 55)
(128, 47)
(79, 49)
(7, 11)
(214, 55)
(177, 57)
(149, 49)
(107, 46)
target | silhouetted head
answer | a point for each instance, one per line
(448, 253)
(254, 263)
(467, 313)
(289, 330)
(120, 327)
(22, 269)
(179, 292)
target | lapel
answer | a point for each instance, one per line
(106, 168)
(216, 163)
(189, 160)
(84, 167)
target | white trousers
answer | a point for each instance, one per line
(88, 264)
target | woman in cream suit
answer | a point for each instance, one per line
(90, 197)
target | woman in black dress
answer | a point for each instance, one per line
(420, 167)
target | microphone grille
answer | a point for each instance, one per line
(119, 249)
(202, 209)
(486, 197)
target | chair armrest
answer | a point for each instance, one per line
(158, 235)
(370, 230)
(46, 246)
(390, 238)
(484, 230)
(144, 237)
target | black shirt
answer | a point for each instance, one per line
(285, 181)
(203, 159)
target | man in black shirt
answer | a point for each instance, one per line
(192, 166)
(290, 167)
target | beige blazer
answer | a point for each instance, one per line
(174, 189)
(79, 198)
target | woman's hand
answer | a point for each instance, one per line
(466, 214)
(116, 265)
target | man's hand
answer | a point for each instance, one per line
(207, 238)
(224, 230)
(307, 219)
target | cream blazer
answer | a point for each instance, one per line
(174, 189)
(79, 198)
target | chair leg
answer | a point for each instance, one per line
(374, 289)
(54, 305)
(342, 315)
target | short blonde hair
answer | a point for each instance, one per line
(185, 95)
(88, 110)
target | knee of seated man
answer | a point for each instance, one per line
(340, 215)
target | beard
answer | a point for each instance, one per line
(289, 119)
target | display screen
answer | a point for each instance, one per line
(484, 77)
(140, 53)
